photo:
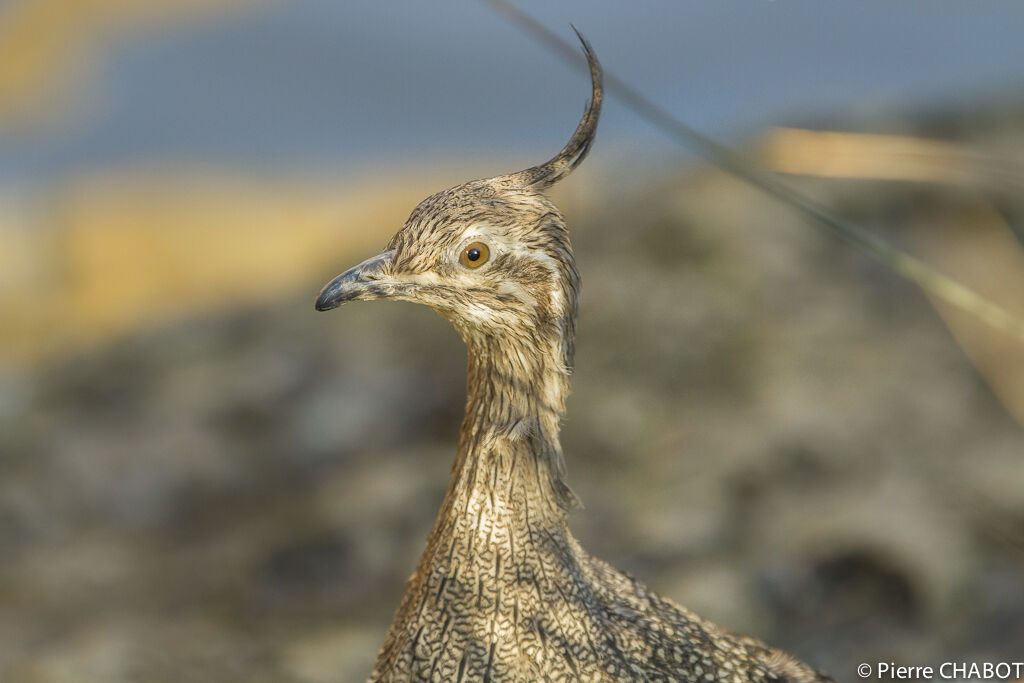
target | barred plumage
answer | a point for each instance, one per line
(503, 592)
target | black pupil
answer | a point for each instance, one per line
(473, 254)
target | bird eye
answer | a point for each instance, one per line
(474, 255)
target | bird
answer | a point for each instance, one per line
(503, 591)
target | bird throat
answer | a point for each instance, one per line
(509, 447)
(502, 528)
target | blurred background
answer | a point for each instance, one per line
(201, 479)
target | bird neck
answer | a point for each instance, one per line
(503, 523)
(516, 392)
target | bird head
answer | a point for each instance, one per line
(492, 256)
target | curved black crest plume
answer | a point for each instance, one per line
(562, 164)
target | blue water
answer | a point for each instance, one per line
(339, 84)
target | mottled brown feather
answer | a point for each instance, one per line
(503, 592)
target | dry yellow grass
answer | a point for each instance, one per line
(979, 249)
(975, 247)
(112, 253)
(839, 154)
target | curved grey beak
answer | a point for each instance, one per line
(368, 280)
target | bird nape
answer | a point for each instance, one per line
(503, 592)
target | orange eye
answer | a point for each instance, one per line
(474, 255)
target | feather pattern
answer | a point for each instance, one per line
(503, 592)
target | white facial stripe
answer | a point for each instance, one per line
(557, 300)
(481, 312)
(425, 278)
(495, 241)
(518, 291)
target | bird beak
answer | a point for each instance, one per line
(368, 280)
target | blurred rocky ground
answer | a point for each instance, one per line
(767, 426)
